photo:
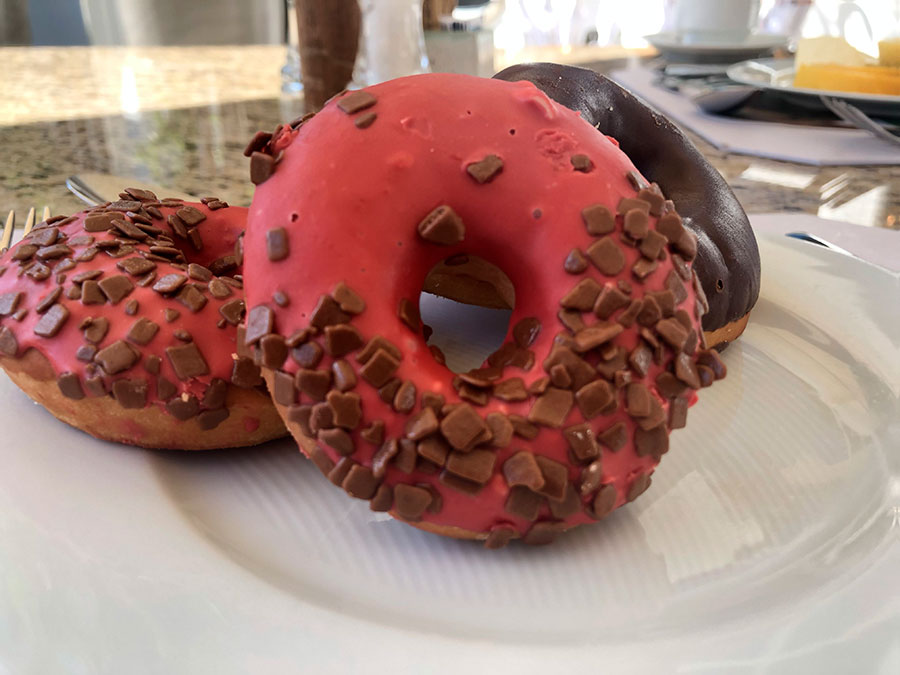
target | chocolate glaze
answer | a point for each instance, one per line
(727, 258)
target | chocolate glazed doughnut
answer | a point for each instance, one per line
(727, 255)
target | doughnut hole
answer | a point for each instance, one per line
(466, 304)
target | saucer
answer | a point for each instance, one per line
(672, 47)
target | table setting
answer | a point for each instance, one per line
(353, 342)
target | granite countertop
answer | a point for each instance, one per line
(180, 116)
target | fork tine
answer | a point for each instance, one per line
(29, 222)
(7, 231)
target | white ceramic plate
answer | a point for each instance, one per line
(673, 46)
(777, 75)
(764, 546)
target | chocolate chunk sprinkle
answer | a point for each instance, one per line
(338, 439)
(245, 373)
(499, 537)
(442, 226)
(582, 442)
(582, 163)
(486, 169)
(607, 256)
(327, 313)
(476, 465)
(8, 343)
(551, 408)
(598, 220)
(313, 383)
(260, 322)
(522, 469)
(462, 427)
(379, 368)
(638, 487)
(9, 302)
(410, 501)
(360, 482)
(575, 262)
(595, 398)
(117, 357)
(191, 298)
(70, 386)
(604, 501)
(274, 351)
(409, 315)
(130, 394)
(348, 300)
(523, 503)
(307, 355)
(356, 101)
(187, 360)
(582, 297)
(556, 478)
(262, 166)
(116, 288)
(277, 244)
(142, 331)
(342, 339)
(365, 120)
(52, 321)
(383, 499)
(232, 311)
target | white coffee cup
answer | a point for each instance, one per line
(715, 21)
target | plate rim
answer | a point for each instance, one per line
(488, 651)
(734, 72)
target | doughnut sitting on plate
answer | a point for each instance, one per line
(727, 259)
(122, 321)
(605, 350)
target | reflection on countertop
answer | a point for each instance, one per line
(181, 116)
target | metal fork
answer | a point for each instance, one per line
(853, 115)
(10, 226)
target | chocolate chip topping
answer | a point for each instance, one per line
(327, 313)
(582, 296)
(582, 163)
(142, 331)
(187, 360)
(116, 288)
(595, 398)
(575, 262)
(342, 339)
(379, 368)
(410, 501)
(551, 408)
(462, 427)
(522, 469)
(476, 465)
(607, 256)
(356, 101)
(117, 357)
(442, 226)
(191, 298)
(523, 503)
(8, 343)
(260, 321)
(232, 311)
(262, 166)
(365, 120)
(9, 302)
(485, 170)
(277, 244)
(52, 321)
(348, 300)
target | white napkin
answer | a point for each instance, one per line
(820, 146)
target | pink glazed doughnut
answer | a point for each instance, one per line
(569, 418)
(123, 322)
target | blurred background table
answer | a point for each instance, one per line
(180, 116)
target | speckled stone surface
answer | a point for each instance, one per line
(189, 134)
